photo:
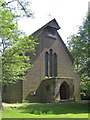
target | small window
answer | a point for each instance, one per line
(52, 33)
(47, 87)
(33, 93)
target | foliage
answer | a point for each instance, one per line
(21, 8)
(15, 62)
(50, 110)
(15, 44)
(78, 45)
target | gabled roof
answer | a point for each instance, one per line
(53, 23)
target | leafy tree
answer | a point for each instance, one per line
(14, 44)
(19, 7)
(78, 45)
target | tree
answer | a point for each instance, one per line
(21, 8)
(15, 44)
(78, 45)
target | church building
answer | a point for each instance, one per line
(52, 77)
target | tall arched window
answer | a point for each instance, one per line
(54, 64)
(50, 62)
(46, 64)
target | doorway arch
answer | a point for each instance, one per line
(64, 91)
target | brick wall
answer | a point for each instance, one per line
(36, 74)
(13, 93)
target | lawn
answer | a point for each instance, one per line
(49, 110)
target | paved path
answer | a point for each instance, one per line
(11, 105)
(7, 105)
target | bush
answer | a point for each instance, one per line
(85, 91)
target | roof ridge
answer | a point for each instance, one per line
(47, 24)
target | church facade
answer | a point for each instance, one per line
(52, 77)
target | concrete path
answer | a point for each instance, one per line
(7, 105)
(11, 105)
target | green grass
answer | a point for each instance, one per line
(50, 110)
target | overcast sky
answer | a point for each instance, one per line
(68, 13)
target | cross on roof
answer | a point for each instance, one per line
(49, 15)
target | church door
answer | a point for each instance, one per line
(64, 91)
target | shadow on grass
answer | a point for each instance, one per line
(55, 108)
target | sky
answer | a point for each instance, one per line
(68, 13)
